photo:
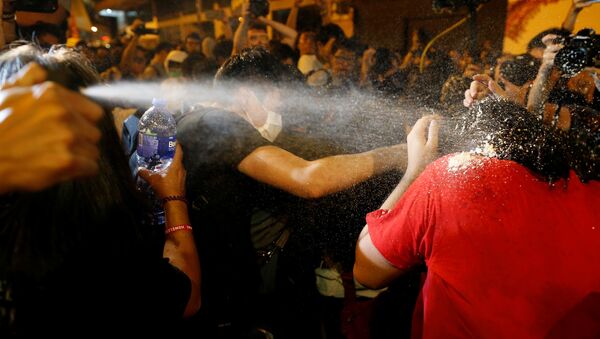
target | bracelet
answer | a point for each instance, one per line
(174, 198)
(178, 228)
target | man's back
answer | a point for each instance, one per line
(507, 253)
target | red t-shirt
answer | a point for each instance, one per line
(508, 255)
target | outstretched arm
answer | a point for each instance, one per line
(314, 179)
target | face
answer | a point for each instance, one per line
(306, 44)
(193, 46)
(344, 64)
(138, 63)
(258, 37)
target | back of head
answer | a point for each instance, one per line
(75, 219)
(507, 131)
(536, 41)
(256, 66)
(520, 69)
(330, 31)
(198, 67)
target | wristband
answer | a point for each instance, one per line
(178, 228)
(174, 198)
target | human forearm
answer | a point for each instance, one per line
(569, 23)
(180, 249)
(286, 31)
(292, 20)
(540, 90)
(241, 36)
(128, 54)
(336, 173)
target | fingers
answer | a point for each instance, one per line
(144, 173)
(30, 75)
(433, 135)
(495, 88)
(418, 131)
(549, 39)
(77, 103)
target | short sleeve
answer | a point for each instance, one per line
(404, 235)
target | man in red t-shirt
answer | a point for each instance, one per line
(508, 254)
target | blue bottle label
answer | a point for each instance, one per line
(150, 146)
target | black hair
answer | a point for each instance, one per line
(193, 36)
(536, 41)
(223, 49)
(163, 46)
(384, 61)
(352, 45)
(520, 69)
(330, 31)
(198, 67)
(257, 65)
(75, 220)
(517, 135)
(257, 26)
(281, 51)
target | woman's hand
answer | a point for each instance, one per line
(169, 182)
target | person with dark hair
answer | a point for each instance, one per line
(326, 38)
(222, 51)
(78, 256)
(307, 47)
(192, 43)
(156, 69)
(345, 63)
(239, 169)
(380, 70)
(536, 46)
(284, 53)
(507, 230)
(197, 67)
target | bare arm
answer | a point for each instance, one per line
(289, 34)
(292, 20)
(545, 80)
(574, 10)
(128, 54)
(370, 267)
(313, 179)
(240, 39)
(180, 247)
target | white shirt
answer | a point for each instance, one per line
(308, 63)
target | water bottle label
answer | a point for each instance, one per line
(151, 145)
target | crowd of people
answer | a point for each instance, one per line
(482, 170)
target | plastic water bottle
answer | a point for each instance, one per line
(157, 139)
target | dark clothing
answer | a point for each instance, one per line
(100, 297)
(222, 200)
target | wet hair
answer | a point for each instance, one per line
(75, 220)
(520, 69)
(330, 31)
(257, 65)
(517, 135)
(536, 41)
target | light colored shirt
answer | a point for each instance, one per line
(308, 63)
